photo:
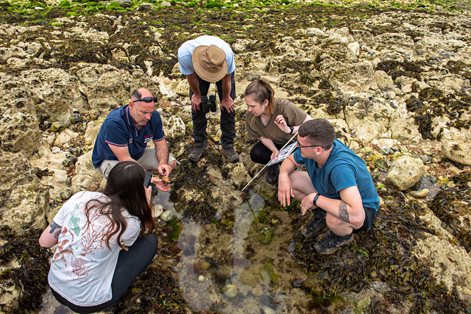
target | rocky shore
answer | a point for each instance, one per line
(396, 84)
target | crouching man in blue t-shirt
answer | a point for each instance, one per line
(125, 133)
(337, 185)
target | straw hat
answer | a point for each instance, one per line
(210, 63)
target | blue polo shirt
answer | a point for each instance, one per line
(118, 129)
(343, 169)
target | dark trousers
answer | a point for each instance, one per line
(261, 154)
(130, 264)
(227, 123)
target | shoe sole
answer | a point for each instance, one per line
(312, 234)
(331, 250)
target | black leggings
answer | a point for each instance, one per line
(130, 265)
(261, 154)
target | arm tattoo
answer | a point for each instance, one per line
(343, 212)
(54, 226)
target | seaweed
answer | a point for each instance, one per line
(30, 278)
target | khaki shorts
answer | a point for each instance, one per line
(148, 161)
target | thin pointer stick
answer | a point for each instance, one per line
(258, 173)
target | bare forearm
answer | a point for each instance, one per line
(161, 151)
(194, 84)
(268, 143)
(226, 86)
(341, 210)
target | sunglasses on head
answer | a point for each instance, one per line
(147, 99)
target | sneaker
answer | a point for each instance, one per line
(316, 225)
(272, 174)
(231, 154)
(331, 243)
(197, 152)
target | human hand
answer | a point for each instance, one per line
(280, 122)
(161, 184)
(306, 203)
(284, 189)
(164, 169)
(227, 104)
(274, 154)
(195, 102)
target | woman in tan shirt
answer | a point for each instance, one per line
(272, 121)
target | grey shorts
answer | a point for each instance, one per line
(148, 161)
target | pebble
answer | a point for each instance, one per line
(201, 278)
(230, 291)
(257, 291)
(166, 215)
(420, 194)
(158, 210)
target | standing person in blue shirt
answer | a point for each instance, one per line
(337, 185)
(205, 60)
(125, 133)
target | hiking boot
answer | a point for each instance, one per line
(231, 154)
(331, 242)
(197, 152)
(316, 225)
(272, 174)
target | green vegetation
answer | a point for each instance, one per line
(38, 10)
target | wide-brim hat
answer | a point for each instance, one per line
(210, 63)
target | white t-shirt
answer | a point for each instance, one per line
(83, 266)
(185, 53)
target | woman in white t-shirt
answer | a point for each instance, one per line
(104, 241)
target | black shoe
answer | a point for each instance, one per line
(272, 174)
(316, 225)
(331, 242)
(197, 152)
(231, 154)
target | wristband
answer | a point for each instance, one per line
(314, 201)
(291, 129)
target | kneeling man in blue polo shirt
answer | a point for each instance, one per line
(336, 185)
(125, 133)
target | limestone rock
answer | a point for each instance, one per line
(87, 177)
(405, 172)
(175, 127)
(457, 146)
(451, 265)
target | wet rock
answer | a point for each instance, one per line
(230, 291)
(257, 291)
(167, 215)
(405, 172)
(265, 235)
(157, 211)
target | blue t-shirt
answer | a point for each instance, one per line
(343, 169)
(118, 129)
(185, 53)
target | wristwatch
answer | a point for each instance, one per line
(291, 129)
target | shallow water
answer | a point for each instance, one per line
(233, 272)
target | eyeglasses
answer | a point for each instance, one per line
(307, 146)
(147, 99)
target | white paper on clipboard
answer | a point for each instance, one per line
(283, 154)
